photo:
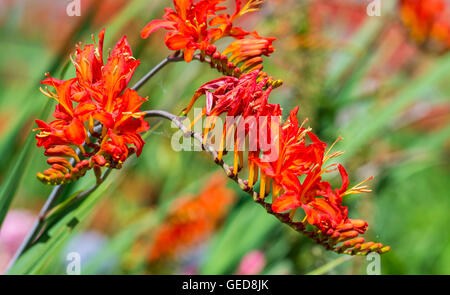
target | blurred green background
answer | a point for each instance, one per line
(353, 76)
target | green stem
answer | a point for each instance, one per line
(329, 266)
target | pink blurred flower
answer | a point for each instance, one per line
(14, 229)
(252, 263)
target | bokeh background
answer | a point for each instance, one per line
(169, 212)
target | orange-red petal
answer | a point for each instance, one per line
(155, 25)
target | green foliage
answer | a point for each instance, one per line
(408, 209)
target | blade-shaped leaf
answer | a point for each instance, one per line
(11, 184)
(56, 233)
(249, 226)
(369, 125)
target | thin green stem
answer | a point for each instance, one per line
(172, 58)
(329, 266)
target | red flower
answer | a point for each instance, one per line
(428, 21)
(296, 176)
(232, 95)
(247, 53)
(125, 126)
(327, 213)
(294, 172)
(97, 93)
(102, 83)
(196, 25)
(60, 132)
(293, 159)
(68, 129)
(240, 98)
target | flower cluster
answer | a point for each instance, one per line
(192, 219)
(294, 174)
(197, 25)
(322, 204)
(428, 22)
(242, 98)
(96, 113)
(98, 124)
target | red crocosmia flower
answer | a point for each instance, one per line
(236, 99)
(244, 99)
(263, 115)
(329, 215)
(219, 86)
(117, 73)
(97, 96)
(247, 53)
(68, 128)
(99, 82)
(428, 21)
(296, 175)
(195, 25)
(125, 127)
(88, 62)
(230, 95)
(294, 158)
(115, 147)
(60, 132)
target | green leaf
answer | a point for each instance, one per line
(11, 183)
(59, 228)
(127, 14)
(244, 231)
(369, 125)
(330, 265)
(121, 243)
(343, 64)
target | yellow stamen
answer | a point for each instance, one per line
(83, 151)
(292, 213)
(256, 174)
(191, 104)
(105, 138)
(75, 156)
(222, 144)
(358, 188)
(236, 159)
(91, 124)
(241, 159)
(331, 147)
(251, 174)
(43, 134)
(268, 185)
(333, 155)
(196, 120)
(275, 191)
(262, 187)
(305, 219)
(104, 131)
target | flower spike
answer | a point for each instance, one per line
(98, 96)
(292, 175)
